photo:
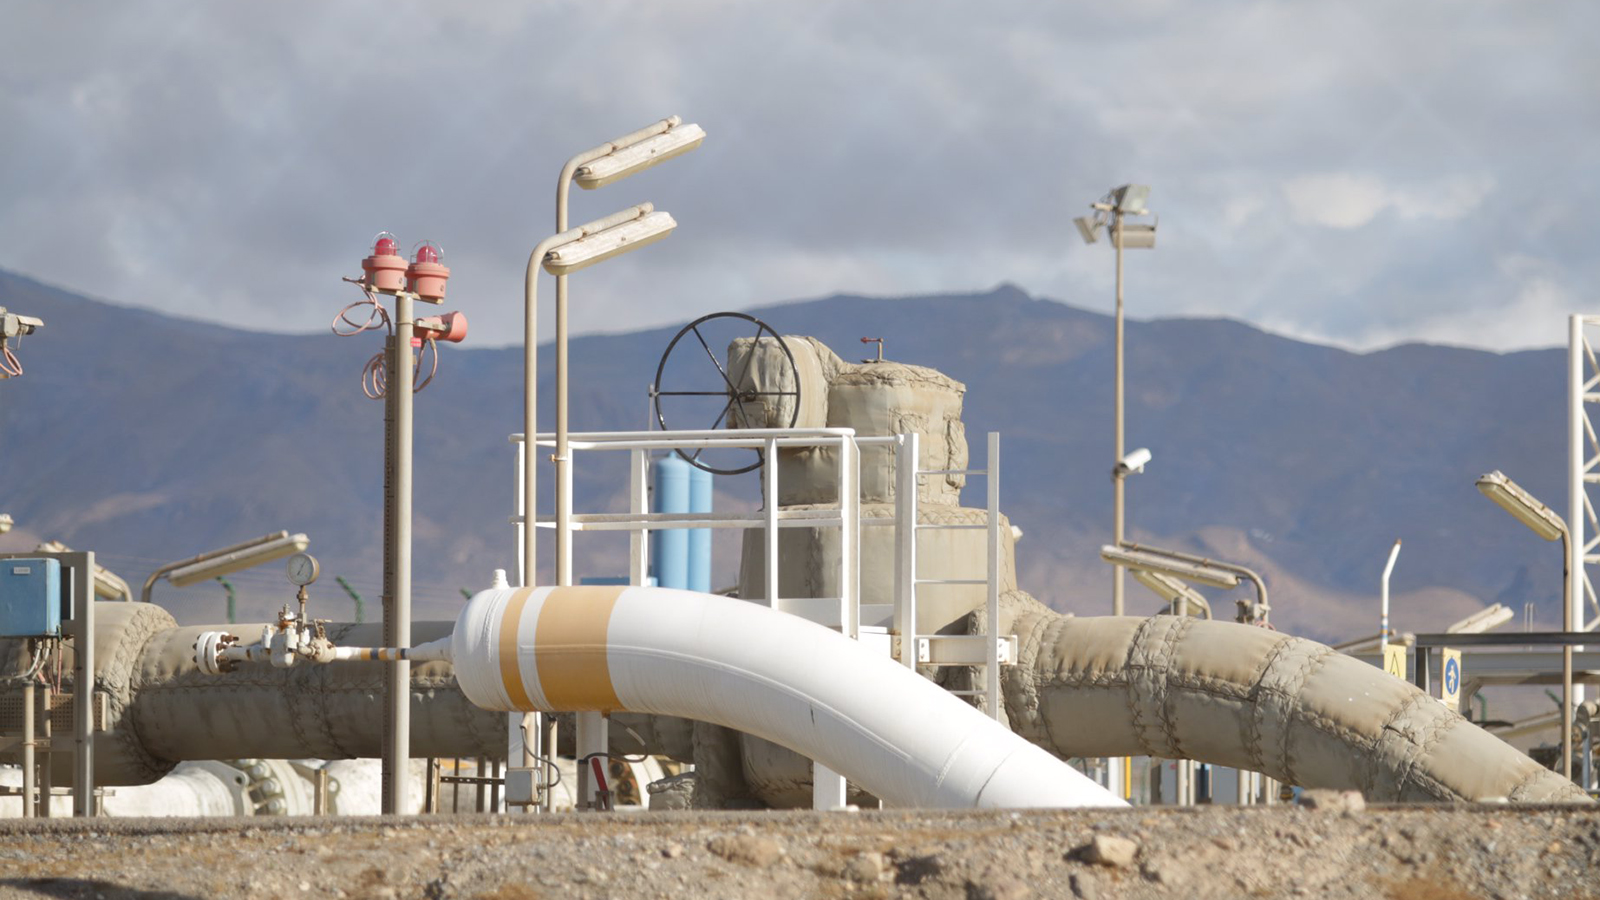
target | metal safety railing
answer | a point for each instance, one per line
(842, 611)
(846, 612)
(988, 649)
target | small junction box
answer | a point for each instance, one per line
(30, 598)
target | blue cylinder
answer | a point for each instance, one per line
(699, 549)
(669, 547)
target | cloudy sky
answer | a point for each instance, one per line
(1359, 173)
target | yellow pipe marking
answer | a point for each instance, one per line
(510, 665)
(570, 648)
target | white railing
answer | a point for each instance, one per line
(987, 649)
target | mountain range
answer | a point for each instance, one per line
(149, 438)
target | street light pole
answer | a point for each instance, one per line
(1544, 522)
(559, 254)
(1109, 212)
(563, 189)
(1118, 509)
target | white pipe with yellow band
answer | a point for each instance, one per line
(745, 666)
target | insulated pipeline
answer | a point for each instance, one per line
(1176, 687)
(748, 667)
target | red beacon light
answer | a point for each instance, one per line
(385, 269)
(425, 276)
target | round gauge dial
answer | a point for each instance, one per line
(303, 569)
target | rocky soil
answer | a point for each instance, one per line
(1402, 853)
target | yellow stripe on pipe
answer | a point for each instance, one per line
(510, 665)
(570, 648)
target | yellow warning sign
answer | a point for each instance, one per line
(1394, 661)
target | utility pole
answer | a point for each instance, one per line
(398, 404)
(386, 272)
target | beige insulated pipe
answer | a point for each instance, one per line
(1242, 696)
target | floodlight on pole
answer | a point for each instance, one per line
(1130, 198)
(1544, 522)
(227, 560)
(1110, 212)
(5, 523)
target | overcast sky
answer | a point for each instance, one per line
(1355, 172)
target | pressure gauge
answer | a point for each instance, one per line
(303, 569)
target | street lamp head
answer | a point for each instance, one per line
(1130, 198)
(634, 158)
(1198, 573)
(589, 247)
(1135, 235)
(1524, 506)
(233, 559)
(1089, 228)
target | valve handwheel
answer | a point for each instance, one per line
(733, 396)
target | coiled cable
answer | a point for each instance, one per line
(374, 374)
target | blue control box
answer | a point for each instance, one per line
(30, 598)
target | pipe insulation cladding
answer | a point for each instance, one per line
(1177, 687)
(748, 667)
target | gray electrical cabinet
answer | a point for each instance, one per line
(30, 598)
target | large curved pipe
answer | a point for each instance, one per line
(1176, 687)
(770, 674)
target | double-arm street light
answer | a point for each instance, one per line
(1109, 213)
(1544, 522)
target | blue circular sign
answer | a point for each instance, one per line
(1452, 676)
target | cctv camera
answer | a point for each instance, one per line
(13, 325)
(1132, 463)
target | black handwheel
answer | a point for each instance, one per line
(733, 397)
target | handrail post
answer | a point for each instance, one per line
(905, 548)
(769, 481)
(991, 675)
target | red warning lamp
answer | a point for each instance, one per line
(385, 269)
(425, 276)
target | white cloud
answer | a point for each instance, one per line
(1339, 200)
(1346, 200)
(1452, 198)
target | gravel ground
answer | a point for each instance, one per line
(1402, 853)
